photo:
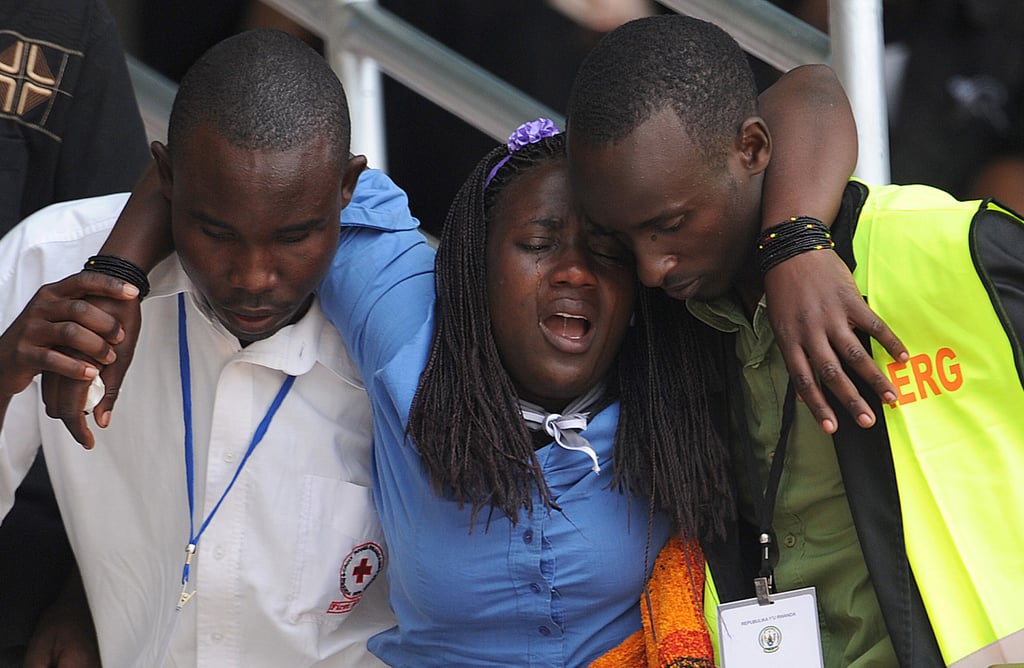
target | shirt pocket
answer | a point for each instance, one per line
(339, 553)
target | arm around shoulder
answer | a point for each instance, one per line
(379, 289)
(814, 145)
(813, 303)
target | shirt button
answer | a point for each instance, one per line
(544, 631)
(534, 587)
(229, 457)
(218, 552)
(216, 637)
(528, 536)
(789, 540)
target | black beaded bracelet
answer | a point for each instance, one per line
(790, 238)
(119, 268)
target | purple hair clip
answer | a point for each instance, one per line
(527, 133)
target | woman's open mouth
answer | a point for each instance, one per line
(568, 332)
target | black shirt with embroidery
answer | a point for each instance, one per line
(69, 122)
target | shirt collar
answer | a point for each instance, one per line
(726, 314)
(294, 349)
(754, 338)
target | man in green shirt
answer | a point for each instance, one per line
(814, 532)
(667, 151)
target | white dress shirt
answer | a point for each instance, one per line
(281, 570)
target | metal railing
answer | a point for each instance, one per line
(854, 50)
(155, 94)
(362, 40)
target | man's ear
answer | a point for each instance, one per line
(163, 167)
(754, 144)
(355, 166)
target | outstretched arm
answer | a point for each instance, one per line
(813, 303)
(57, 319)
(142, 236)
(814, 147)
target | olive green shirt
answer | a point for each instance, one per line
(817, 541)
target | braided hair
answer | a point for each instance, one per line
(465, 418)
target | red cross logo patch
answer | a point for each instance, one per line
(358, 570)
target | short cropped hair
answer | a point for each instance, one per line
(670, 60)
(262, 90)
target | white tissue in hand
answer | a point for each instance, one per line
(96, 391)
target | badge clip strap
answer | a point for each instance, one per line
(186, 403)
(764, 505)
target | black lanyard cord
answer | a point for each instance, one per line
(764, 503)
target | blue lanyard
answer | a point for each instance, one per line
(186, 405)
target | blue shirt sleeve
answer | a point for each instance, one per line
(380, 288)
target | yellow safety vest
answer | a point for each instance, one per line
(711, 612)
(957, 431)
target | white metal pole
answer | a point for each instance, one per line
(858, 56)
(364, 89)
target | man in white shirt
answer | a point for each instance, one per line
(225, 518)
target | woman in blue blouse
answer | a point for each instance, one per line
(509, 546)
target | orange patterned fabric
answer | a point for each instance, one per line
(678, 637)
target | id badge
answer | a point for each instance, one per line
(784, 633)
